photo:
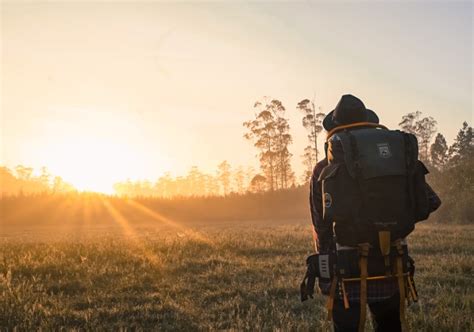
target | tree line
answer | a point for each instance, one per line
(269, 131)
(433, 148)
(224, 181)
(22, 180)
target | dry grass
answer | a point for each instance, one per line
(232, 278)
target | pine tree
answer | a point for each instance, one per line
(463, 146)
(439, 152)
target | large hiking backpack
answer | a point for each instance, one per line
(373, 191)
(373, 182)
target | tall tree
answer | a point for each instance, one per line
(312, 122)
(24, 173)
(239, 180)
(269, 132)
(439, 152)
(262, 131)
(257, 184)
(283, 140)
(309, 160)
(463, 146)
(408, 123)
(423, 128)
(249, 174)
(59, 185)
(45, 177)
(194, 182)
(223, 175)
(211, 184)
(164, 185)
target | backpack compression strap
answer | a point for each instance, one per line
(354, 125)
(363, 255)
(332, 294)
(401, 284)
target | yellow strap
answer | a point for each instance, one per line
(411, 285)
(332, 293)
(371, 278)
(364, 252)
(344, 295)
(353, 125)
(401, 286)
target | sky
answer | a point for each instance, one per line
(104, 91)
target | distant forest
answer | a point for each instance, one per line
(451, 169)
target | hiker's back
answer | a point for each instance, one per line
(364, 202)
(373, 194)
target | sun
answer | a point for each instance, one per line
(94, 163)
(93, 151)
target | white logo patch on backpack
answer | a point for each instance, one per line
(327, 200)
(384, 150)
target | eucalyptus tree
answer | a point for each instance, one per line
(270, 133)
(239, 180)
(223, 176)
(312, 122)
(463, 146)
(423, 128)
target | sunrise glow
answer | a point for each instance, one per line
(95, 150)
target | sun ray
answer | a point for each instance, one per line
(160, 218)
(85, 212)
(75, 215)
(130, 232)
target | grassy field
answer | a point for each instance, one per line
(228, 277)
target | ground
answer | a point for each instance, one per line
(239, 276)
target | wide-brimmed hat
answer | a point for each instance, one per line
(349, 109)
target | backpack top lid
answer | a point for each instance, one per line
(371, 152)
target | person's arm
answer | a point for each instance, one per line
(322, 231)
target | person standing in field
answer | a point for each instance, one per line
(365, 198)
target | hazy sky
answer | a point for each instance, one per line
(104, 91)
